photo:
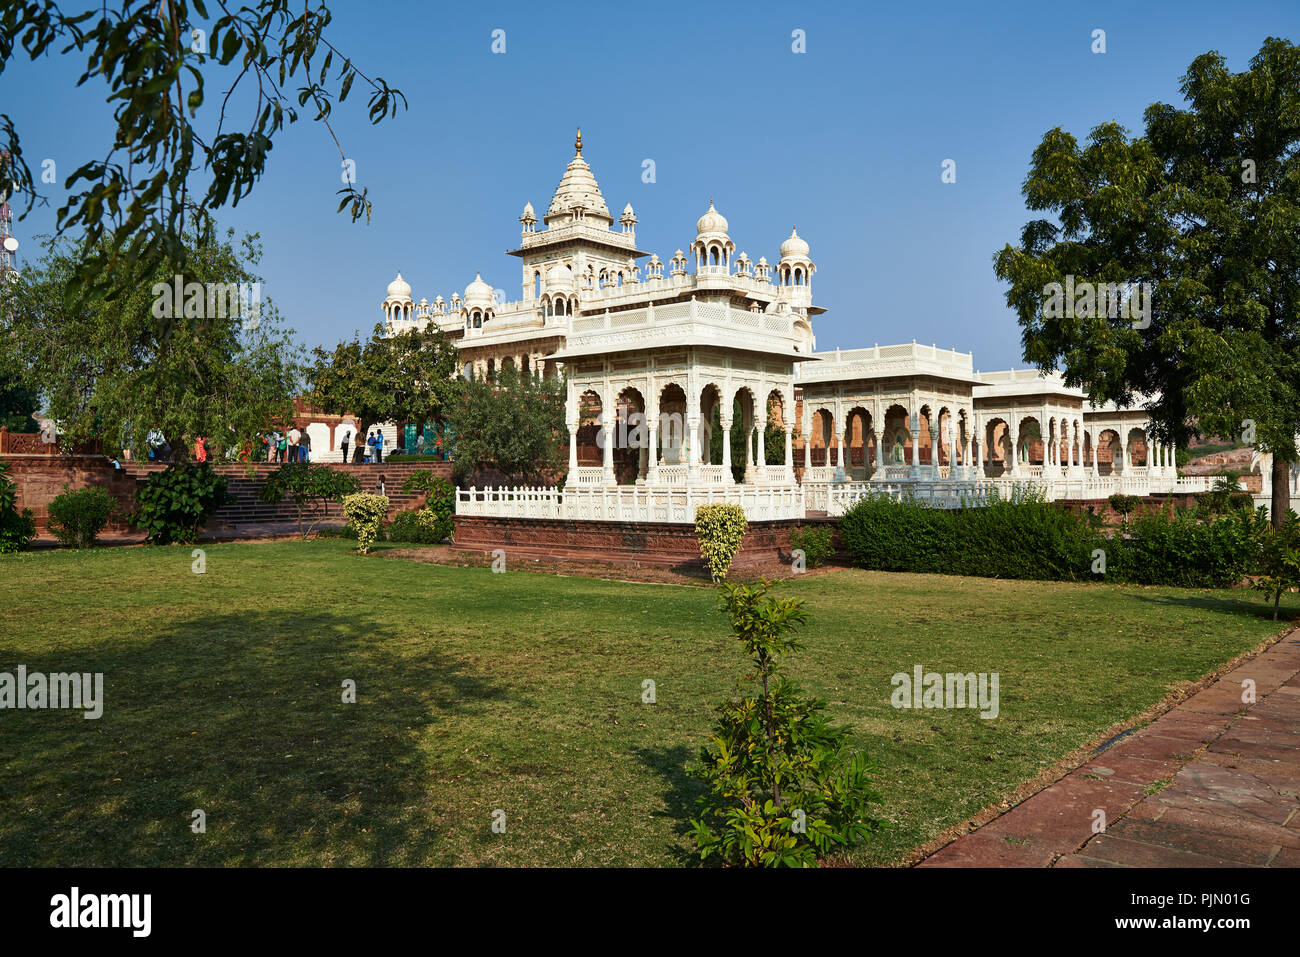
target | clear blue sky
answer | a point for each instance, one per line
(845, 140)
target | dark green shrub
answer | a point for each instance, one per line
(1279, 566)
(1008, 538)
(174, 505)
(310, 487)
(77, 517)
(1225, 493)
(783, 789)
(1177, 549)
(1241, 500)
(1026, 538)
(814, 542)
(897, 536)
(422, 527)
(440, 502)
(17, 529)
(1124, 504)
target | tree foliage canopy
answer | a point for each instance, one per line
(164, 173)
(1205, 208)
(116, 370)
(407, 377)
(514, 425)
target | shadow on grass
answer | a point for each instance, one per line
(240, 715)
(1229, 606)
(681, 794)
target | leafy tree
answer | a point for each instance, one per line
(1204, 212)
(1125, 505)
(513, 425)
(174, 157)
(407, 377)
(783, 790)
(310, 487)
(117, 369)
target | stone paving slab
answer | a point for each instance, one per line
(1213, 782)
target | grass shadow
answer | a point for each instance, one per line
(263, 743)
(1222, 605)
(681, 793)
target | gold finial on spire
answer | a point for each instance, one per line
(578, 142)
(710, 202)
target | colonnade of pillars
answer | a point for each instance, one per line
(968, 447)
(671, 432)
(533, 362)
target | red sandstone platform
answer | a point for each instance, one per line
(631, 543)
(1214, 782)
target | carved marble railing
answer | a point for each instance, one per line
(672, 475)
(629, 503)
(715, 475)
(967, 494)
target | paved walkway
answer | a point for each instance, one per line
(1212, 783)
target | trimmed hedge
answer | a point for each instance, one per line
(1028, 538)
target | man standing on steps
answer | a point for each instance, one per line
(294, 436)
(379, 446)
(345, 439)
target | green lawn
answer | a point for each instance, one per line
(517, 691)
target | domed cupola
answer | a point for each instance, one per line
(712, 246)
(398, 304)
(478, 293)
(559, 297)
(399, 288)
(794, 247)
(795, 269)
(711, 224)
(478, 306)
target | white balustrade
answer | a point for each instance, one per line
(630, 503)
(676, 495)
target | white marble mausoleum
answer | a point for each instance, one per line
(659, 354)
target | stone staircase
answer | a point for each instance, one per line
(245, 481)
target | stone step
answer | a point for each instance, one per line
(245, 479)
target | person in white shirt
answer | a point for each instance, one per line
(345, 433)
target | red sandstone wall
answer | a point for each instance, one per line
(40, 478)
(667, 543)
